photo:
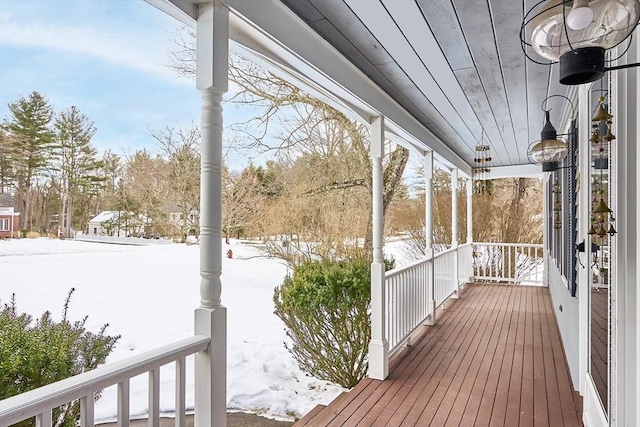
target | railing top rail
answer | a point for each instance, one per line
(31, 403)
(396, 271)
(443, 253)
(531, 245)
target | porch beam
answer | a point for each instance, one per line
(212, 54)
(378, 346)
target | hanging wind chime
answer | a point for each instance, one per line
(602, 218)
(557, 205)
(482, 170)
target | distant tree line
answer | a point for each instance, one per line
(58, 181)
(312, 200)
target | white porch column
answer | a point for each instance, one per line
(454, 227)
(378, 346)
(428, 229)
(212, 55)
(454, 208)
(428, 203)
(470, 210)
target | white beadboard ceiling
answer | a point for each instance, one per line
(455, 65)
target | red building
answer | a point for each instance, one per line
(9, 218)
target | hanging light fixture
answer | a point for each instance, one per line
(577, 34)
(580, 16)
(550, 150)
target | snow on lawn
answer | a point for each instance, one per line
(148, 294)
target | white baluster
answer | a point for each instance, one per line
(86, 411)
(180, 393)
(44, 419)
(123, 403)
(154, 398)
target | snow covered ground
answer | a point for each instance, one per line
(147, 295)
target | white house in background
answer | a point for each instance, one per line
(118, 223)
(182, 222)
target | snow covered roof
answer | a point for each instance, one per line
(113, 215)
(6, 201)
(104, 216)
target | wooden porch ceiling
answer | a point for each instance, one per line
(455, 65)
(494, 359)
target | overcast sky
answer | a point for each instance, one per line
(107, 57)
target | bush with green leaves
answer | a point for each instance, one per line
(325, 308)
(36, 354)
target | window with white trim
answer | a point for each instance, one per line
(4, 224)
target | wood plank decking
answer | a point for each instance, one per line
(494, 359)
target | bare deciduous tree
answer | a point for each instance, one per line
(181, 149)
(308, 127)
(242, 201)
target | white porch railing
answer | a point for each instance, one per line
(465, 263)
(408, 290)
(518, 263)
(445, 275)
(406, 294)
(40, 402)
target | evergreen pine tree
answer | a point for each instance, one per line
(75, 164)
(31, 140)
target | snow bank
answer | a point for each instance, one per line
(147, 295)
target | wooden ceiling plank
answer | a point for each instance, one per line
(507, 18)
(444, 24)
(408, 16)
(477, 26)
(375, 18)
(339, 13)
(305, 10)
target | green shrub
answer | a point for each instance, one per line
(325, 308)
(32, 356)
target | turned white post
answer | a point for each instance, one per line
(212, 53)
(469, 210)
(378, 346)
(470, 228)
(454, 227)
(428, 203)
(454, 208)
(428, 230)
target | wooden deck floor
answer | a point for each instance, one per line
(494, 359)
